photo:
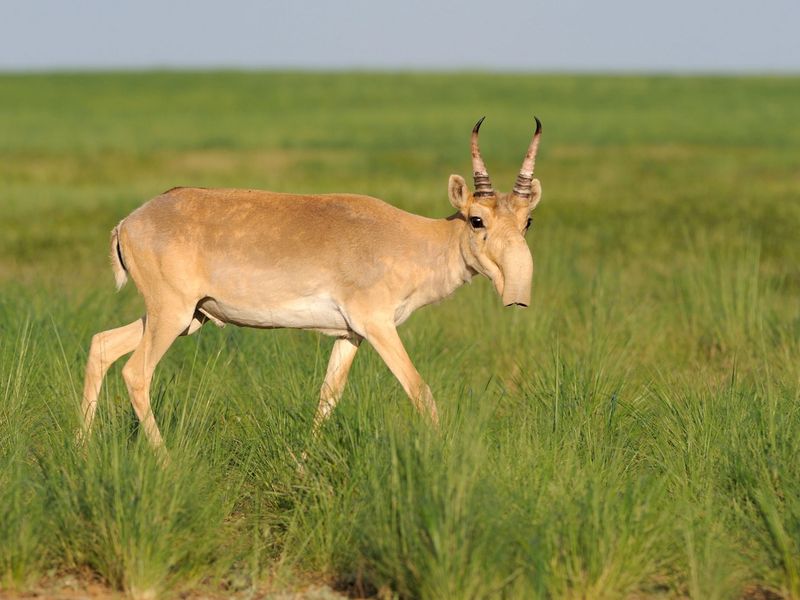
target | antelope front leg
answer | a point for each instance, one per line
(344, 351)
(389, 346)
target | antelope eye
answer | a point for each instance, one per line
(476, 222)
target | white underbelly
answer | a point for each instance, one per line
(300, 313)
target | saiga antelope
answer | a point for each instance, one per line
(348, 266)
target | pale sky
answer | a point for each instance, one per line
(517, 35)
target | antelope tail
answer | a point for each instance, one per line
(117, 264)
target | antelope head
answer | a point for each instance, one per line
(493, 238)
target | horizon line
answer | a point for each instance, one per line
(398, 70)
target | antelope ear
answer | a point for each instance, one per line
(459, 192)
(536, 193)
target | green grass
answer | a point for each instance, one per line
(634, 434)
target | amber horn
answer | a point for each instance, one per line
(522, 187)
(483, 186)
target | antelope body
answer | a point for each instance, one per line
(348, 266)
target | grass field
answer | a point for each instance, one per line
(634, 434)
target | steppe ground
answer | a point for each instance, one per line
(634, 434)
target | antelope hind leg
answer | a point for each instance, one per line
(162, 327)
(106, 348)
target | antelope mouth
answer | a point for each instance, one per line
(520, 304)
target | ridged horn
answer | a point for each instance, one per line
(522, 187)
(483, 185)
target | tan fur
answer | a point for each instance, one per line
(349, 266)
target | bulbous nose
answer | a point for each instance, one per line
(517, 267)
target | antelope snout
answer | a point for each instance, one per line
(518, 273)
